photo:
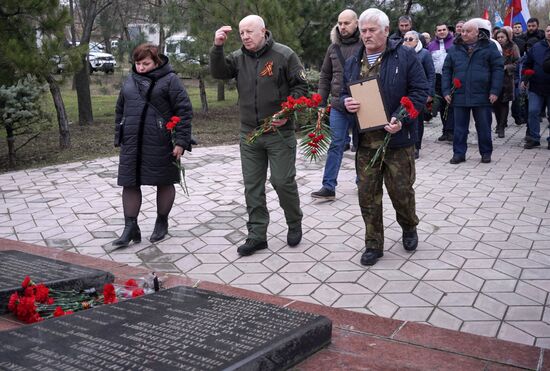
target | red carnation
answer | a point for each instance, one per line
(109, 295)
(35, 317)
(316, 98)
(29, 291)
(41, 293)
(409, 107)
(26, 309)
(58, 312)
(13, 302)
(457, 83)
(528, 72)
(175, 119)
(131, 283)
(26, 282)
(137, 292)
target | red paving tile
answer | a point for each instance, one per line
(545, 364)
(8, 322)
(362, 351)
(474, 345)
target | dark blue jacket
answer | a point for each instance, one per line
(425, 59)
(540, 82)
(481, 73)
(400, 75)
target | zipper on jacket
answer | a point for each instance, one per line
(256, 91)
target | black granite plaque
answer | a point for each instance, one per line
(15, 265)
(176, 329)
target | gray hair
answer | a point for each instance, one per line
(414, 33)
(375, 15)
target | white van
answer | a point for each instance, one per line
(177, 46)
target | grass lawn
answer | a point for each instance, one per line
(217, 127)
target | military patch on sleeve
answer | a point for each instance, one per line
(302, 75)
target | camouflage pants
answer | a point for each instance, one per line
(398, 174)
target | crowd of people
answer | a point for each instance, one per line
(462, 70)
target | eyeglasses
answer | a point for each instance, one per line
(409, 39)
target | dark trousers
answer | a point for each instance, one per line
(501, 110)
(482, 118)
(446, 120)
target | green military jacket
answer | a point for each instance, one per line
(264, 79)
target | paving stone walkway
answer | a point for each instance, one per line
(482, 266)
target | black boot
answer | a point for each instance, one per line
(131, 233)
(161, 228)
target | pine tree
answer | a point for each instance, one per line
(31, 36)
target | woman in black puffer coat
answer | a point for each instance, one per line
(149, 98)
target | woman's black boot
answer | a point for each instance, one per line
(161, 228)
(131, 233)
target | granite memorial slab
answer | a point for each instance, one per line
(15, 265)
(181, 328)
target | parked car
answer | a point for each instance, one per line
(99, 60)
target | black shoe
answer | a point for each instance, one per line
(353, 149)
(294, 236)
(530, 144)
(442, 138)
(371, 256)
(131, 233)
(324, 193)
(450, 137)
(457, 159)
(416, 154)
(347, 147)
(410, 240)
(486, 158)
(500, 133)
(161, 228)
(251, 246)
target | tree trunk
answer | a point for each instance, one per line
(162, 35)
(11, 146)
(202, 93)
(84, 99)
(62, 119)
(82, 77)
(221, 91)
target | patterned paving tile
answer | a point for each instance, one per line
(482, 266)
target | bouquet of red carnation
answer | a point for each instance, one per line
(288, 108)
(317, 140)
(457, 84)
(38, 302)
(407, 110)
(171, 127)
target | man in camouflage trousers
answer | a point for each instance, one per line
(400, 74)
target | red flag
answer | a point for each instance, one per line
(486, 14)
(513, 8)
